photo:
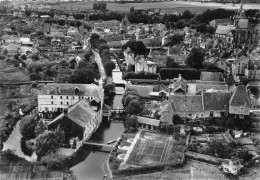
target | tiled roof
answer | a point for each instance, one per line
(200, 87)
(149, 121)
(216, 101)
(240, 97)
(180, 103)
(142, 90)
(224, 29)
(211, 76)
(80, 113)
(243, 24)
(69, 89)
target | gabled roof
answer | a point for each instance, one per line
(225, 30)
(69, 89)
(216, 101)
(80, 113)
(149, 121)
(240, 97)
(180, 103)
(200, 87)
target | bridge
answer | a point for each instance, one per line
(105, 147)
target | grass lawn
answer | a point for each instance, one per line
(12, 74)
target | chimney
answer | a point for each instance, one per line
(179, 77)
(58, 90)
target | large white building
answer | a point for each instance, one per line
(57, 96)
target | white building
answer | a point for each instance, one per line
(141, 64)
(57, 96)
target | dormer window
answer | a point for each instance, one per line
(76, 90)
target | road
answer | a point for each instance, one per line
(100, 66)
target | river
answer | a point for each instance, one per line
(92, 161)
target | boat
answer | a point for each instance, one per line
(112, 141)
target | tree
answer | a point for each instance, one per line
(5, 52)
(129, 98)
(27, 126)
(170, 63)
(60, 134)
(40, 128)
(84, 76)
(174, 39)
(103, 47)
(179, 24)
(23, 57)
(78, 23)
(134, 107)
(94, 40)
(131, 124)
(35, 57)
(61, 22)
(195, 59)
(128, 92)
(187, 15)
(109, 66)
(132, 9)
(137, 47)
(34, 77)
(176, 119)
(46, 143)
(202, 27)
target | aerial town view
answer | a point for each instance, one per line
(131, 89)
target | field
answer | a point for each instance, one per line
(12, 74)
(153, 149)
(172, 6)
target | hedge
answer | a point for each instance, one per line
(140, 75)
(188, 74)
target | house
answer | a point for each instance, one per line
(252, 71)
(223, 22)
(215, 104)
(179, 86)
(161, 94)
(190, 106)
(72, 31)
(148, 123)
(58, 96)
(239, 103)
(84, 119)
(141, 64)
(129, 57)
(238, 66)
(13, 49)
(225, 32)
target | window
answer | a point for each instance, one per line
(52, 102)
(61, 103)
(52, 97)
(67, 103)
(67, 97)
(61, 97)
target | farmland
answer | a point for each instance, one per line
(172, 6)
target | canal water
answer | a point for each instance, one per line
(14, 143)
(92, 161)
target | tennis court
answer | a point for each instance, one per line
(151, 148)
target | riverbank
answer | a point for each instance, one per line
(8, 122)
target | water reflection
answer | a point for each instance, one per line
(13, 141)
